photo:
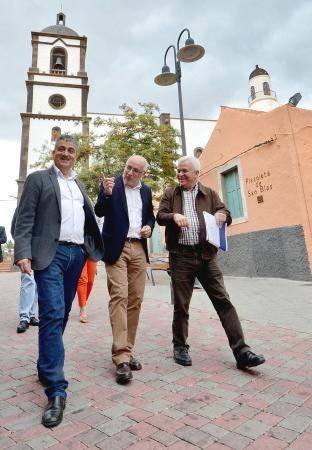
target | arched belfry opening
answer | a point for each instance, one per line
(60, 19)
(58, 61)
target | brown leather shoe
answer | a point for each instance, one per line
(134, 364)
(123, 373)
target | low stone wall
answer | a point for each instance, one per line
(278, 253)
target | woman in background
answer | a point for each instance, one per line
(85, 285)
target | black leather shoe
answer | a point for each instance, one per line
(53, 414)
(182, 357)
(123, 373)
(34, 321)
(134, 364)
(249, 359)
(22, 326)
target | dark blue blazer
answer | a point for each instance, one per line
(116, 219)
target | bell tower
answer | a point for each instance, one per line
(57, 91)
(261, 95)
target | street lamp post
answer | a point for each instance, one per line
(189, 53)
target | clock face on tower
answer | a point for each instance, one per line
(57, 101)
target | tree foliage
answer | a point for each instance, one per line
(105, 152)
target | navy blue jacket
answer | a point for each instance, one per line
(116, 219)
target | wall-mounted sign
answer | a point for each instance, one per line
(258, 184)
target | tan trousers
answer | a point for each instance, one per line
(126, 283)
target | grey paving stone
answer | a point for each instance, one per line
(92, 437)
(42, 442)
(302, 411)
(214, 430)
(9, 393)
(252, 429)
(164, 438)
(269, 397)
(208, 384)
(118, 411)
(173, 376)
(223, 393)
(10, 385)
(296, 423)
(194, 436)
(158, 406)
(6, 442)
(293, 399)
(24, 422)
(118, 441)
(235, 441)
(10, 410)
(290, 377)
(173, 387)
(280, 408)
(190, 405)
(21, 446)
(283, 434)
(216, 409)
(116, 425)
(174, 413)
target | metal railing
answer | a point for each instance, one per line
(271, 94)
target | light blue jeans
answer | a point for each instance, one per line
(28, 297)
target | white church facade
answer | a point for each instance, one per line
(57, 96)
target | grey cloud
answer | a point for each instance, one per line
(127, 41)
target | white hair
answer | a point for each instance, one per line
(194, 161)
(140, 158)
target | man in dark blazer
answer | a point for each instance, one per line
(55, 230)
(126, 204)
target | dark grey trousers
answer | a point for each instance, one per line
(185, 266)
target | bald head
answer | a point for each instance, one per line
(135, 169)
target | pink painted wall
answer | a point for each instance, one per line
(274, 151)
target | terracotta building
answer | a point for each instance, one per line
(261, 164)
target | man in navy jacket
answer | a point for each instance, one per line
(126, 204)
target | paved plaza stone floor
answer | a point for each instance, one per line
(209, 405)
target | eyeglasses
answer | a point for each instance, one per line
(134, 170)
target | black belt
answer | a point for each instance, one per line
(130, 239)
(69, 244)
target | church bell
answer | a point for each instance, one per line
(59, 63)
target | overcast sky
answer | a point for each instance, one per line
(126, 45)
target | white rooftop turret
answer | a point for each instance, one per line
(261, 95)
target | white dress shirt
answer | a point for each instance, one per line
(72, 213)
(134, 203)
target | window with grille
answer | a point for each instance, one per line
(57, 101)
